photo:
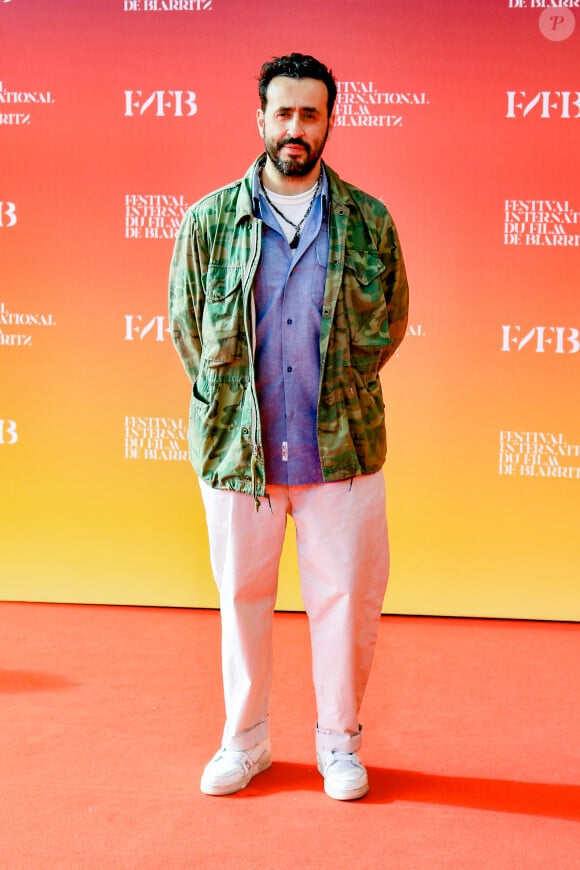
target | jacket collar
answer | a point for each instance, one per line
(337, 189)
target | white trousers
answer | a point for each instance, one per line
(343, 558)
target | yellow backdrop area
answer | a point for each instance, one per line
(463, 116)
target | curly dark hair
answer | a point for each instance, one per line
(296, 66)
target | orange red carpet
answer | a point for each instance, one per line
(108, 715)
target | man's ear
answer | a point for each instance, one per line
(260, 122)
(331, 121)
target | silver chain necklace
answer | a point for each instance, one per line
(300, 225)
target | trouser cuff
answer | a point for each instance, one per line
(336, 742)
(245, 740)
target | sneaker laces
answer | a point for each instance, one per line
(339, 756)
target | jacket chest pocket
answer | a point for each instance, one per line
(222, 315)
(365, 306)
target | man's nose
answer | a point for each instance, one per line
(295, 125)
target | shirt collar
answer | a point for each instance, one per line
(323, 192)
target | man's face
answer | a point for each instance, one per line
(295, 124)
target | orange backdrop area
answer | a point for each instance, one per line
(463, 115)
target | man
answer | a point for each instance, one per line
(287, 295)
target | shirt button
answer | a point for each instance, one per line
(289, 321)
(289, 369)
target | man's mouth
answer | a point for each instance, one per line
(294, 146)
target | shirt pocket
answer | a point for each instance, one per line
(365, 306)
(222, 315)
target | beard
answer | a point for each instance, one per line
(297, 166)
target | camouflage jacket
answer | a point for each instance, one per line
(363, 321)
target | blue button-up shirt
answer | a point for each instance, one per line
(288, 294)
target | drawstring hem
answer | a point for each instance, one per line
(255, 451)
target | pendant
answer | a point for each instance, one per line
(295, 240)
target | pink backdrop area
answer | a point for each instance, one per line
(463, 116)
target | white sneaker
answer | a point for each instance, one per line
(231, 769)
(345, 777)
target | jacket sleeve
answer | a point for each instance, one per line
(186, 295)
(395, 286)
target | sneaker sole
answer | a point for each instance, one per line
(347, 794)
(233, 787)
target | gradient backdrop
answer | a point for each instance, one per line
(463, 116)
